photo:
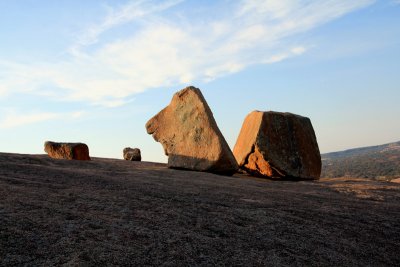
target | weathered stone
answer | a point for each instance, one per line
(278, 145)
(190, 136)
(397, 180)
(77, 151)
(132, 154)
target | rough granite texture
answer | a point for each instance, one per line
(187, 130)
(110, 212)
(76, 151)
(132, 154)
(278, 145)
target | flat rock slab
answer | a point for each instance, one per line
(70, 151)
(109, 212)
(187, 130)
(278, 145)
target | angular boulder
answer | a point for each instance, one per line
(278, 145)
(76, 151)
(132, 154)
(190, 136)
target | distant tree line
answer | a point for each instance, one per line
(376, 165)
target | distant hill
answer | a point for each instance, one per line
(378, 162)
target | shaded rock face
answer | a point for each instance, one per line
(278, 145)
(77, 151)
(132, 154)
(190, 136)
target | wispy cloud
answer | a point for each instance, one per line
(13, 119)
(16, 120)
(125, 14)
(175, 49)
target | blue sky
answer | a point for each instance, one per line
(95, 71)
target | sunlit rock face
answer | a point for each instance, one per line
(76, 151)
(278, 145)
(190, 136)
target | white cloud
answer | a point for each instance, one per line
(77, 114)
(127, 13)
(298, 50)
(174, 49)
(3, 90)
(13, 119)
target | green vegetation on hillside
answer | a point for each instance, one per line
(378, 162)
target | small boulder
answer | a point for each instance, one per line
(77, 151)
(187, 130)
(132, 154)
(278, 145)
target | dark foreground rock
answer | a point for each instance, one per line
(187, 130)
(132, 154)
(77, 151)
(278, 145)
(114, 212)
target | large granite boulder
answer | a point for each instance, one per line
(77, 151)
(132, 154)
(190, 136)
(278, 145)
